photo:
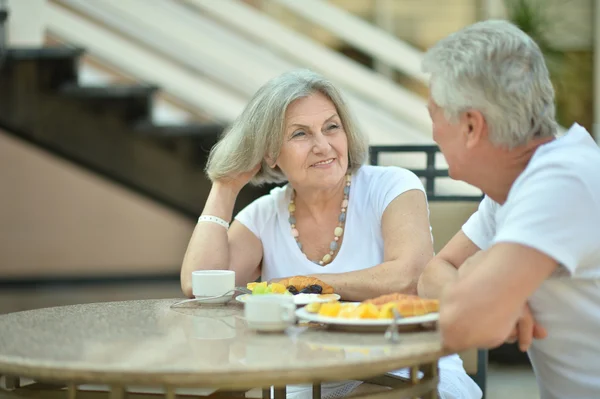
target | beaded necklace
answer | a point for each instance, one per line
(337, 232)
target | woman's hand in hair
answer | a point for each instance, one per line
(236, 183)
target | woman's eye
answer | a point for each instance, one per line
(333, 126)
(299, 133)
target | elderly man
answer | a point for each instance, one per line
(532, 250)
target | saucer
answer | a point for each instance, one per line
(221, 300)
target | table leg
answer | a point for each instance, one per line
(71, 391)
(430, 371)
(117, 392)
(279, 393)
(11, 382)
(316, 390)
(170, 393)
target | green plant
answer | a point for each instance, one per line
(571, 71)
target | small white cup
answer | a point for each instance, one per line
(270, 312)
(206, 283)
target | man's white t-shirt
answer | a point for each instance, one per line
(554, 207)
(372, 189)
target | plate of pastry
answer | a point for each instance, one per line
(305, 290)
(373, 314)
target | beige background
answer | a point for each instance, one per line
(58, 219)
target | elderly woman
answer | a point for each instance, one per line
(362, 229)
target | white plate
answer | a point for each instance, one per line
(301, 299)
(362, 323)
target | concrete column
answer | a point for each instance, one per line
(493, 9)
(385, 19)
(26, 22)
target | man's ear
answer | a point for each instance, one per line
(475, 128)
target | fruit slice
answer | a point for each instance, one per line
(313, 307)
(260, 288)
(277, 288)
(330, 309)
(348, 311)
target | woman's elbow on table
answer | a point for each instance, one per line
(186, 286)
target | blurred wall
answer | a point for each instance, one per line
(58, 219)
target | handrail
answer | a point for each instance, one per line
(205, 47)
(113, 49)
(3, 30)
(349, 74)
(364, 36)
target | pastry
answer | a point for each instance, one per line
(310, 284)
(383, 299)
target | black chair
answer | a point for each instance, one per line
(430, 173)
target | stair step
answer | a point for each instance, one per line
(192, 130)
(129, 102)
(44, 53)
(191, 141)
(47, 68)
(108, 91)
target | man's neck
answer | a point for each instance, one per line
(496, 179)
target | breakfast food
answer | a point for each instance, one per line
(377, 308)
(383, 299)
(293, 285)
(306, 285)
(266, 288)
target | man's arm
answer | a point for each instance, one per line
(481, 308)
(443, 268)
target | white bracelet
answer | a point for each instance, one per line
(214, 219)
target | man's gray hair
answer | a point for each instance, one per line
(259, 130)
(497, 69)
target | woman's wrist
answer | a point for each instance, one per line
(220, 202)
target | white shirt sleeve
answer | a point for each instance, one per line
(555, 212)
(388, 185)
(481, 226)
(256, 214)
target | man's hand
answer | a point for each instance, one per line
(526, 330)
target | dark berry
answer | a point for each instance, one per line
(316, 289)
(292, 290)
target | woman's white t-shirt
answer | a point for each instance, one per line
(371, 191)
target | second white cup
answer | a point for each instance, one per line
(270, 312)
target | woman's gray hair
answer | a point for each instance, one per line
(497, 69)
(259, 130)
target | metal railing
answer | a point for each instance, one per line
(430, 173)
(3, 29)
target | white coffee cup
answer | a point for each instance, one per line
(270, 312)
(207, 283)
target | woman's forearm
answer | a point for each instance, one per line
(436, 276)
(208, 248)
(379, 280)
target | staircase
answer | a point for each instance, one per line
(107, 129)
